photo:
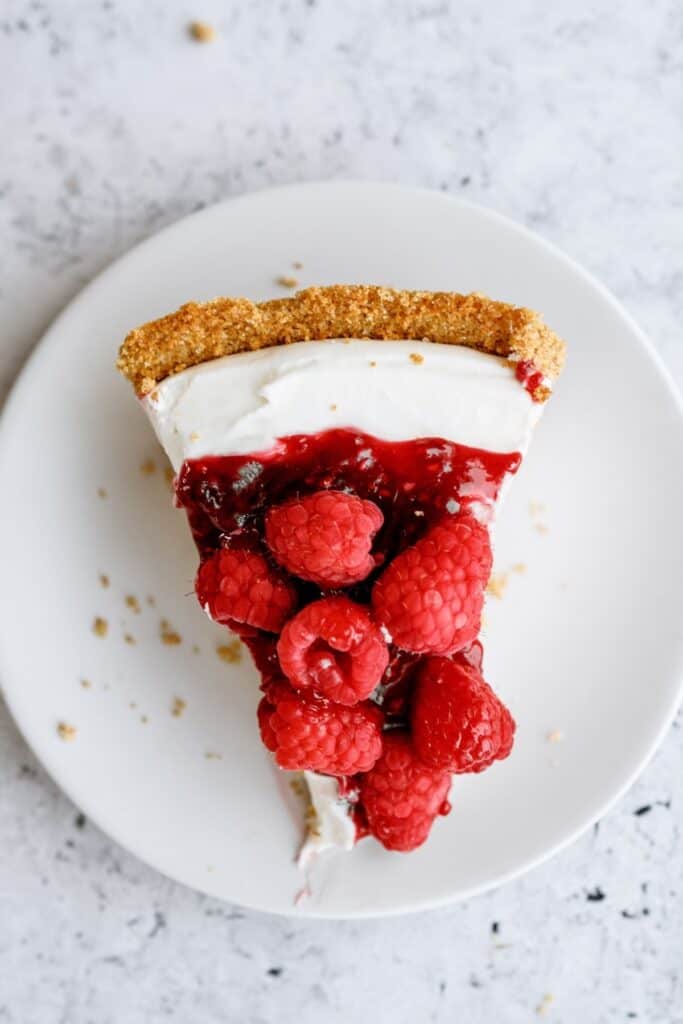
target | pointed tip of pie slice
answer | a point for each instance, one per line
(198, 332)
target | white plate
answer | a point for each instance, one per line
(588, 641)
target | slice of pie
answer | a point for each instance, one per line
(340, 455)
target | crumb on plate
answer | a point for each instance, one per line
(178, 706)
(66, 732)
(169, 635)
(202, 32)
(232, 652)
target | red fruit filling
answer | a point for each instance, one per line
(380, 685)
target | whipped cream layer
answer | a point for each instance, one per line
(333, 828)
(395, 390)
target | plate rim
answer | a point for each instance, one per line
(51, 336)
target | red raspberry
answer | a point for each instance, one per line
(401, 796)
(309, 733)
(458, 723)
(334, 648)
(430, 597)
(324, 537)
(239, 585)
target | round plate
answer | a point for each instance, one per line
(585, 644)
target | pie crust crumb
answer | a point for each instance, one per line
(202, 32)
(66, 732)
(168, 634)
(178, 706)
(231, 653)
(100, 626)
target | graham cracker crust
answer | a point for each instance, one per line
(199, 332)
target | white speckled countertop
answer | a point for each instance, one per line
(114, 123)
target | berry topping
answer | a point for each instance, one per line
(324, 537)
(430, 597)
(333, 648)
(238, 585)
(458, 723)
(309, 733)
(401, 796)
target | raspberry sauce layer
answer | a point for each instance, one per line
(415, 483)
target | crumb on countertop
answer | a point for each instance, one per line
(286, 281)
(555, 736)
(129, 639)
(66, 732)
(416, 358)
(104, 580)
(544, 1004)
(148, 467)
(202, 32)
(102, 492)
(133, 603)
(212, 755)
(86, 684)
(100, 626)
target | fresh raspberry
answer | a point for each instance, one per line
(401, 796)
(310, 733)
(458, 723)
(430, 597)
(324, 537)
(237, 585)
(335, 649)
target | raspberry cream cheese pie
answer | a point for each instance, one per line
(340, 455)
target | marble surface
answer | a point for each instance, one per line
(566, 116)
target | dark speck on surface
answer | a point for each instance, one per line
(159, 923)
(595, 895)
(495, 927)
(80, 821)
(645, 809)
(274, 972)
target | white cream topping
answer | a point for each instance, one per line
(243, 403)
(333, 828)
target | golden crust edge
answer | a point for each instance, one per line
(198, 332)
